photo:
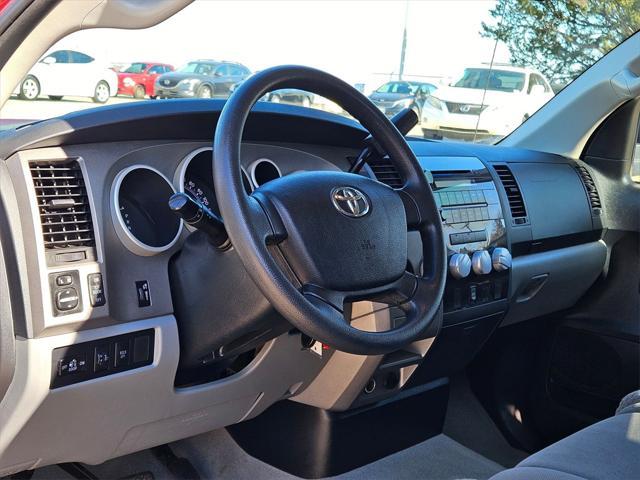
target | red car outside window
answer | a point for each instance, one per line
(138, 79)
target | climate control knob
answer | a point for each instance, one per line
(459, 265)
(501, 259)
(481, 262)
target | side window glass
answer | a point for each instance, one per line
(635, 164)
(61, 56)
(156, 69)
(222, 71)
(533, 80)
(77, 57)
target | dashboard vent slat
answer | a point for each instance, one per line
(590, 187)
(63, 204)
(514, 195)
(386, 172)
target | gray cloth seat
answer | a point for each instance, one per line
(609, 450)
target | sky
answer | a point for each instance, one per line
(359, 41)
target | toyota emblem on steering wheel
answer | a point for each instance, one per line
(350, 201)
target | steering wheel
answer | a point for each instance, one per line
(312, 241)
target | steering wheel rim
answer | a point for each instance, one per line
(260, 228)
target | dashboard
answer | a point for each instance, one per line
(96, 317)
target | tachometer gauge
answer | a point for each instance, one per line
(142, 219)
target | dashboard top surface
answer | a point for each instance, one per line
(194, 119)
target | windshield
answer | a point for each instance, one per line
(199, 68)
(498, 80)
(136, 68)
(398, 87)
(511, 66)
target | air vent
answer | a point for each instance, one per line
(516, 202)
(386, 172)
(63, 204)
(590, 186)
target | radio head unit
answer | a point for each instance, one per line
(474, 230)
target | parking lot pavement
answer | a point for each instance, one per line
(17, 111)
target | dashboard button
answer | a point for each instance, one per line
(64, 280)
(96, 290)
(122, 353)
(72, 364)
(67, 299)
(102, 357)
(144, 296)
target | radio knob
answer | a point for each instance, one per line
(459, 265)
(501, 259)
(481, 262)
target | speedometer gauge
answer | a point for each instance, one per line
(195, 178)
(200, 191)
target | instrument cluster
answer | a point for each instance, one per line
(141, 215)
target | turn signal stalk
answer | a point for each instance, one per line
(200, 217)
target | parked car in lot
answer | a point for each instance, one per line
(139, 78)
(201, 79)
(291, 95)
(512, 95)
(394, 96)
(69, 73)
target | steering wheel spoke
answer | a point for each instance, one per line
(333, 298)
(265, 222)
(419, 206)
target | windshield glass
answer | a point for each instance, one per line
(498, 80)
(397, 87)
(199, 68)
(136, 68)
(514, 57)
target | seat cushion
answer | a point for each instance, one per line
(609, 450)
(534, 473)
(630, 403)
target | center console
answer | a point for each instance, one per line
(474, 230)
(479, 262)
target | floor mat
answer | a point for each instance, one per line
(216, 456)
(468, 423)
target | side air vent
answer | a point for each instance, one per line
(386, 172)
(514, 195)
(63, 204)
(592, 191)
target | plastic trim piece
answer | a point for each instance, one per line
(126, 237)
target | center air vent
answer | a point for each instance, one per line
(63, 204)
(385, 171)
(516, 202)
(592, 191)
